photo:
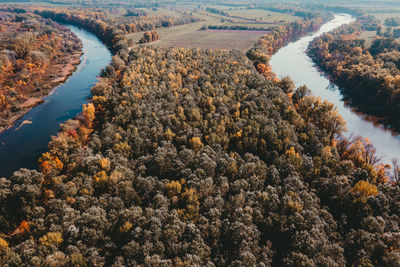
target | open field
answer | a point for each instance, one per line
(264, 15)
(368, 36)
(161, 11)
(189, 36)
(240, 40)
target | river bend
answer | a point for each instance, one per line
(20, 147)
(292, 60)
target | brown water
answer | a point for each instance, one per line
(292, 60)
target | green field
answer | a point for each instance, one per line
(379, 9)
(190, 35)
(161, 12)
(264, 15)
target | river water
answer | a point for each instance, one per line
(20, 147)
(292, 60)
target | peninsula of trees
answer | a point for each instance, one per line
(194, 157)
(182, 161)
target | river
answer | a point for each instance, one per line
(22, 146)
(292, 60)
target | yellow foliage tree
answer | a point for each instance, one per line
(363, 189)
(196, 143)
(3, 244)
(104, 163)
(190, 203)
(173, 188)
(52, 238)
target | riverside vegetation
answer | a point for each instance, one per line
(35, 55)
(181, 160)
(369, 76)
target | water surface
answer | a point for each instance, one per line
(20, 147)
(292, 60)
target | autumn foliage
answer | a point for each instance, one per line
(276, 38)
(183, 161)
(368, 76)
(33, 53)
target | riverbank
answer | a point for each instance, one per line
(303, 72)
(30, 73)
(270, 43)
(21, 147)
(367, 76)
(30, 103)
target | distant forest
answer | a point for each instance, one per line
(200, 157)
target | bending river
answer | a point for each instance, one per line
(292, 60)
(22, 145)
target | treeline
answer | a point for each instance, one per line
(147, 23)
(355, 11)
(183, 161)
(389, 32)
(276, 38)
(91, 20)
(35, 54)
(295, 11)
(100, 4)
(110, 29)
(149, 37)
(216, 11)
(238, 28)
(392, 22)
(368, 77)
(226, 14)
(299, 11)
(113, 37)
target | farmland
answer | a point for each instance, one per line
(381, 10)
(190, 36)
(193, 35)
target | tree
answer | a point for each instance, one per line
(24, 44)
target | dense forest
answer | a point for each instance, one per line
(369, 76)
(182, 161)
(194, 157)
(35, 55)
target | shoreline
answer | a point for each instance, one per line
(68, 69)
(386, 123)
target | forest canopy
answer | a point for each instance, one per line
(200, 157)
(182, 161)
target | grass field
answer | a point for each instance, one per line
(368, 36)
(191, 36)
(264, 15)
(161, 11)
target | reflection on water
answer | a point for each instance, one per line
(21, 145)
(292, 60)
